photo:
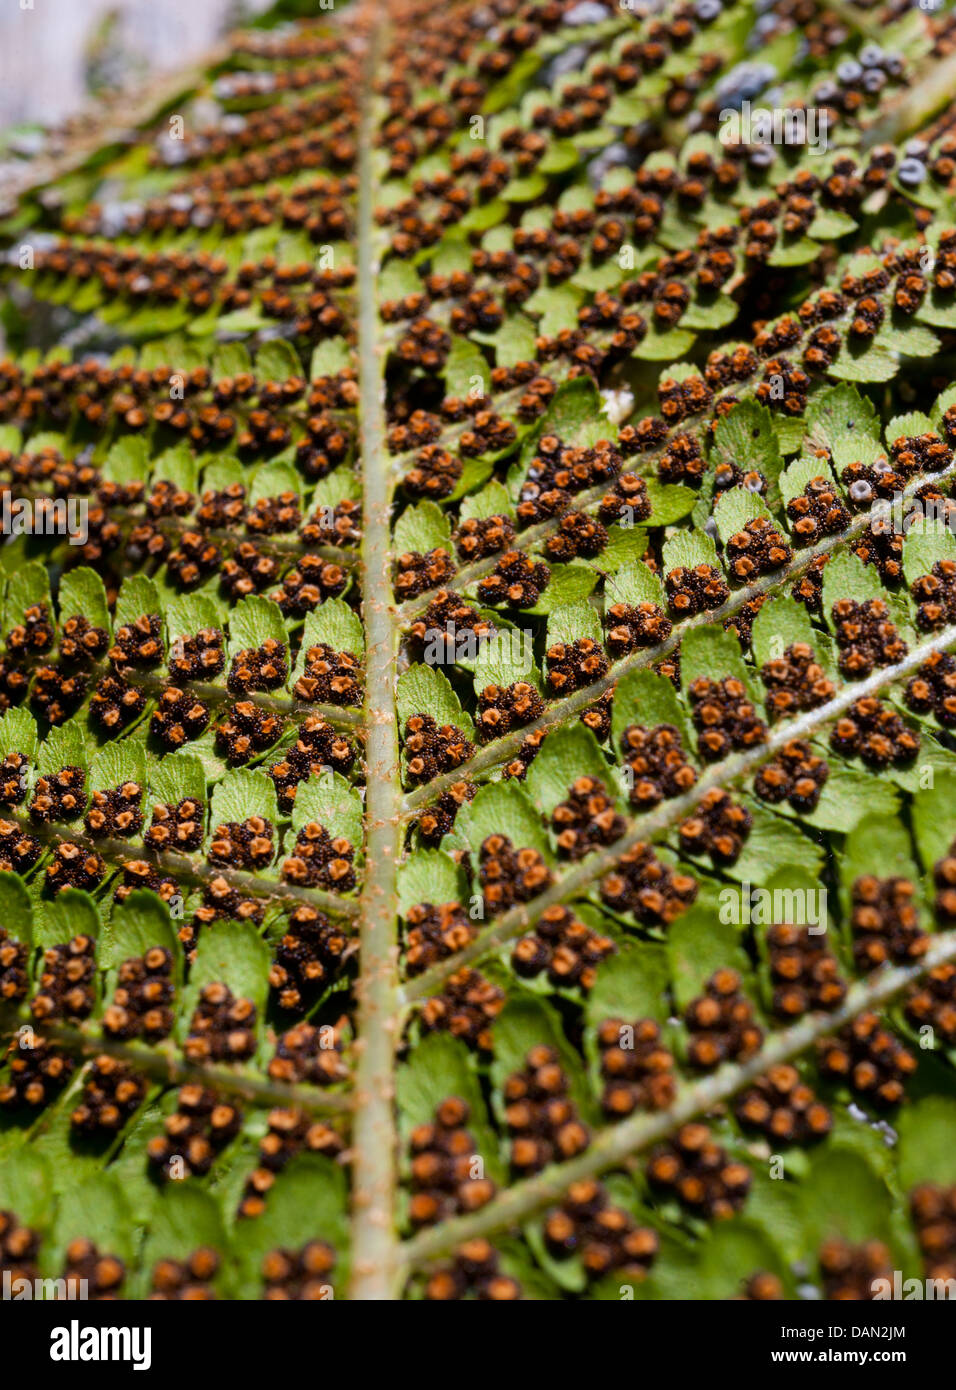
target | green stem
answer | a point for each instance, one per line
(916, 106)
(193, 868)
(374, 1135)
(338, 715)
(163, 1065)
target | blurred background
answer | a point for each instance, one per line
(63, 57)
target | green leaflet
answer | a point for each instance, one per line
(422, 528)
(432, 877)
(243, 792)
(425, 690)
(136, 924)
(504, 809)
(329, 800)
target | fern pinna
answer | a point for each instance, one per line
(479, 589)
